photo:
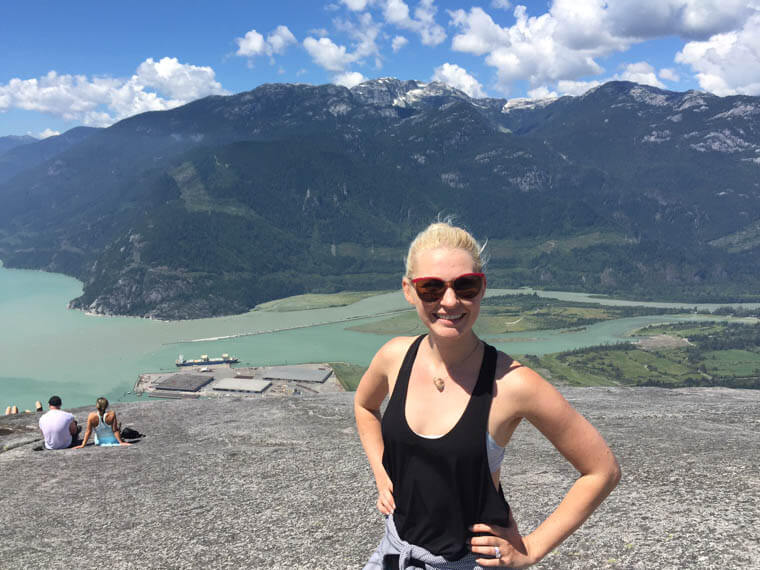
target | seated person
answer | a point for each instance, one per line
(104, 425)
(59, 428)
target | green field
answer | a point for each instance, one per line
(717, 354)
(348, 374)
(517, 313)
(695, 353)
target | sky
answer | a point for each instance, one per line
(66, 63)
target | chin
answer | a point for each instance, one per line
(449, 330)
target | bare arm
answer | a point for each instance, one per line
(90, 421)
(372, 390)
(578, 441)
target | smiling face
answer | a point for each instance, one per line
(451, 316)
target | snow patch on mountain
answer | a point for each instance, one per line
(339, 108)
(645, 95)
(738, 111)
(693, 100)
(523, 103)
(723, 141)
(657, 137)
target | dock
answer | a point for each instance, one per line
(222, 380)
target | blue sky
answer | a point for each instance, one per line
(64, 64)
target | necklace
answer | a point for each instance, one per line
(440, 382)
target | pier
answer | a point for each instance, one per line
(222, 380)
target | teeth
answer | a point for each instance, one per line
(449, 317)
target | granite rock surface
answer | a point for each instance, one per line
(283, 483)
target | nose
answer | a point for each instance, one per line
(449, 297)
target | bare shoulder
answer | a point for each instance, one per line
(521, 388)
(389, 358)
(380, 377)
(92, 418)
(110, 415)
(395, 349)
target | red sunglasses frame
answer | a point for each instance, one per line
(447, 284)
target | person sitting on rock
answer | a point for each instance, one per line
(104, 426)
(59, 428)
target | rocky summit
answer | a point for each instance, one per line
(283, 483)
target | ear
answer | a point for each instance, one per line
(406, 285)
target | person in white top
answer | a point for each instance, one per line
(59, 428)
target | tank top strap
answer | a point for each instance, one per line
(398, 397)
(487, 371)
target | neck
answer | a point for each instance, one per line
(454, 352)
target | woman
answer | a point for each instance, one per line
(455, 403)
(104, 425)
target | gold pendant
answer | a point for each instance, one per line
(439, 383)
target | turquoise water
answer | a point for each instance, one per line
(46, 348)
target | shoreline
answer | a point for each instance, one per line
(574, 296)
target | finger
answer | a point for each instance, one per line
(384, 507)
(388, 499)
(489, 541)
(485, 550)
(493, 529)
(488, 562)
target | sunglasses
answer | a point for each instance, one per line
(467, 286)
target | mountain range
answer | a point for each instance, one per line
(229, 201)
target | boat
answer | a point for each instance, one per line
(204, 360)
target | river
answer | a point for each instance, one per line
(46, 348)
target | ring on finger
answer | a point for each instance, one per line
(496, 552)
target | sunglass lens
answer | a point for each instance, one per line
(430, 290)
(468, 287)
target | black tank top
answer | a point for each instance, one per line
(442, 486)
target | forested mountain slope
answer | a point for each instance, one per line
(229, 201)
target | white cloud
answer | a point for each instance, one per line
(280, 38)
(542, 92)
(357, 5)
(727, 64)
(501, 4)
(481, 34)
(327, 54)
(692, 19)
(180, 81)
(669, 74)
(364, 33)
(349, 79)
(455, 76)
(569, 87)
(531, 49)
(398, 42)
(100, 101)
(396, 12)
(47, 133)
(640, 72)
(254, 44)
(566, 42)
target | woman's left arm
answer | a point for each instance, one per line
(527, 395)
(88, 430)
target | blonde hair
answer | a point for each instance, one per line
(445, 234)
(102, 405)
